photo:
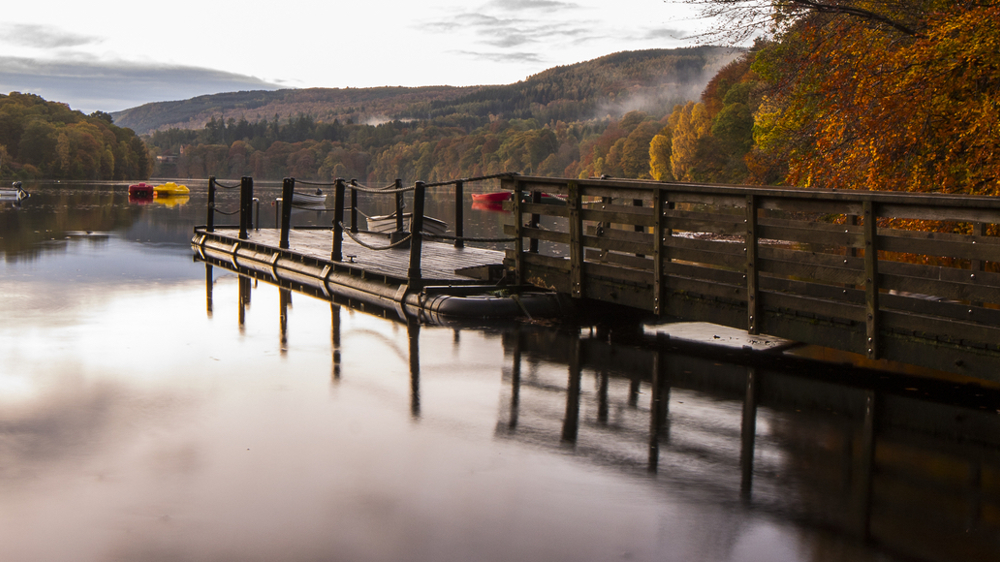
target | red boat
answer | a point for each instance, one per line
(500, 196)
(140, 191)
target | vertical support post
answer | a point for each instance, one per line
(753, 316)
(978, 230)
(748, 435)
(284, 301)
(416, 236)
(413, 335)
(575, 241)
(658, 201)
(571, 422)
(354, 206)
(658, 404)
(246, 197)
(871, 280)
(866, 465)
(210, 219)
(515, 201)
(399, 205)
(335, 338)
(244, 300)
(515, 383)
(209, 285)
(338, 221)
(459, 214)
(287, 193)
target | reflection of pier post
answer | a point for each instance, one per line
(209, 285)
(413, 334)
(571, 423)
(335, 337)
(284, 301)
(515, 381)
(244, 290)
(659, 406)
(866, 465)
(748, 435)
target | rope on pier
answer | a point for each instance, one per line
(216, 209)
(224, 186)
(362, 243)
(322, 184)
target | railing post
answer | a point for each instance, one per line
(399, 205)
(338, 222)
(518, 232)
(354, 206)
(459, 214)
(871, 279)
(575, 240)
(658, 252)
(416, 238)
(210, 219)
(753, 324)
(246, 209)
(287, 193)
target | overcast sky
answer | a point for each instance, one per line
(112, 55)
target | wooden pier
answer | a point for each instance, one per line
(432, 280)
(846, 270)
(897, 276)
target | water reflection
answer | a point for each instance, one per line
(889, 464)
(153, 407)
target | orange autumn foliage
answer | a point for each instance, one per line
(863, 106)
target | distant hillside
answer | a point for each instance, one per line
(322, 104)
(610, 85)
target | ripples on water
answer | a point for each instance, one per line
(152, 408)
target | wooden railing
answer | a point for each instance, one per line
(844, 269)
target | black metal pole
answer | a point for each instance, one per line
(399, 205)
(246, 194)
(459, 213)
(210, 219)
(338, 220)
(416, 225)
(354, 206)
(287, 191)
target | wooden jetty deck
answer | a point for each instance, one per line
(898, 276)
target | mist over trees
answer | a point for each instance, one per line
(593, 118)
(43, 139)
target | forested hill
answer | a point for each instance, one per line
(613, 84)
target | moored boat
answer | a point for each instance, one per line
(303, 199)
(501, 196)
(140, 190)
(387, 223)
(170, 189)
(13, 193)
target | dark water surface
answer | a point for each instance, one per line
(147, 414)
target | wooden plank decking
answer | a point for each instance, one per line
(439, 260)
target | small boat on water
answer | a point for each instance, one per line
(13, 193)
(141, 190)
(387, 223)
(302, 199)
(170, 189)
(501, 196)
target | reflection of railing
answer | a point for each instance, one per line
(906, 462)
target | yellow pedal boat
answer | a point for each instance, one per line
(170, 189)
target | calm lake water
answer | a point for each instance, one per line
(149, 411)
